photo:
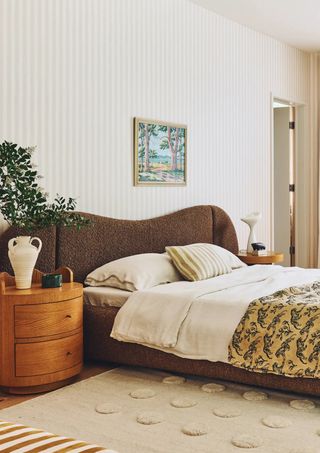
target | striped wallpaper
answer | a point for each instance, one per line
(74, 73)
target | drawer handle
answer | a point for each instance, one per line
(69, 353)
(68, 316)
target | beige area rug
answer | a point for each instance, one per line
(144, 411)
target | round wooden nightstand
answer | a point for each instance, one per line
(269, 258)
(41, 334)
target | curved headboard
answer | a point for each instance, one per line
(108, 239)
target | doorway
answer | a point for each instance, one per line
(284, 127)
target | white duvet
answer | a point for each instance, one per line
(196, 320)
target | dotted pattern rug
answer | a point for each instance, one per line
(143, 411)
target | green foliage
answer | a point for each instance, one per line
(141, 152)
(22, 202)
(153, 154)
(151, 129)
(165, 141)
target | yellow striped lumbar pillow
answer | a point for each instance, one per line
(198, 261)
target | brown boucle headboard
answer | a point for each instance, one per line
(108, 239)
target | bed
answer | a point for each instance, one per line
(110, 239)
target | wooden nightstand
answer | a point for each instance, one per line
(270, 258)
(41, 334)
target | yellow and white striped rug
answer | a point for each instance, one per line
(22, 439)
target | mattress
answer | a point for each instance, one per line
(105, 296)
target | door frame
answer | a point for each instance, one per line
(297, 105)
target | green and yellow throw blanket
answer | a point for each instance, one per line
(280, 334)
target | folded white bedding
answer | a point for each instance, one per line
(105, 296)
(196, 320)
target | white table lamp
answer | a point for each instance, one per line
(251, 220)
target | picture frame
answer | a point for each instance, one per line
(160, 157)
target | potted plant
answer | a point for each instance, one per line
(24, 204)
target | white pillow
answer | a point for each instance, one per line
(136, 272)
(228, 257)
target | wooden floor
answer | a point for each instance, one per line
(89, 370)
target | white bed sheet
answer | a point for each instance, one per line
(105, 296)
(197, 320)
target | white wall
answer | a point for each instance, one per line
(75, 72)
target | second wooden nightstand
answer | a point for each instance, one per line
(41, 334)
(269, 258)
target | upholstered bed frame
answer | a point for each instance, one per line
(108, 239)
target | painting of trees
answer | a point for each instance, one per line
(145, 132)
(174, 141)
(160, 153)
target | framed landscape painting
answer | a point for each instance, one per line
(160, 153)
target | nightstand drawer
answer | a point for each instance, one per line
(34, 359)
(43, 320)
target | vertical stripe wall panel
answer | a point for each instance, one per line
(74, 73)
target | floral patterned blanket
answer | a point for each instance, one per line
(280, 334)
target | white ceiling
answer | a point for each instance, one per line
(296, 22)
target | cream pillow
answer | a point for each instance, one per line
(198, 261)
(136, 272)
(231, 259)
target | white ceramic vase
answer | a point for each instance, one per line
(251, 220)
(23, 256)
